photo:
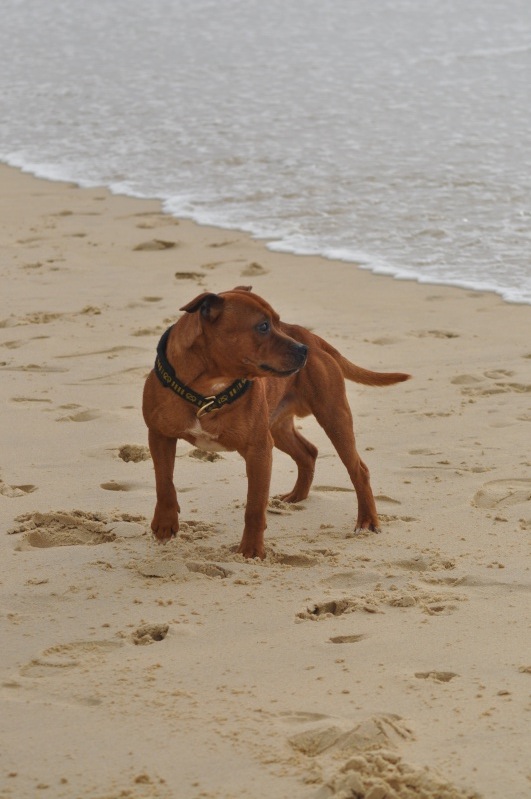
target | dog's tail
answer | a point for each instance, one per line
(368, 378)
(365, 376)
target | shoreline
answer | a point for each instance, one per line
(184, 670)
(396, 273)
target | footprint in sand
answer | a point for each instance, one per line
(113, 485)
(39, 318)
(80, 416)
(31, 240)
(210, 569)
(151, 224)
(56, 659)
(16, 490)
(253, 270)
(295, 559)
(517, 388)
(347, 639)
(129, 453)
(498, 374)
(149, 634)
(385, 498)
(164, 568)
(437, 676)
(155, 244)
(207, 457)
(62, 528)
(134, 453)
(213, 264)
(384, 341)
(168, 567)
(156, 332)
(466, 380)
(428, 602)
(32, 367)
(434, 334)
(30, 399)
(13, 345)
(328, 608)
(497, 388)
(477, 385)
(277, 505)
(225, 243)
(503, 493)
(197, 276)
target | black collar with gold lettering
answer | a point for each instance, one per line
(166, 374)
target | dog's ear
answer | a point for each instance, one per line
(243, 288)
(208, 304)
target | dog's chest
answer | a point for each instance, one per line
(201, 439)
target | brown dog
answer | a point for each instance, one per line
(230, 375)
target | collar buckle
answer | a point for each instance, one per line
(207, 407)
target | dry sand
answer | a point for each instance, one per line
(375, 666)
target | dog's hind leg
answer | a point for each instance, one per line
(303, 452)
(336, 420)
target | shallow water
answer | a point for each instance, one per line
(393, 134)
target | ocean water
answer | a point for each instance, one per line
(395, 134)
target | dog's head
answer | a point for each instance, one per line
(243, 335)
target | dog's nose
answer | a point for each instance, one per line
(301, 354)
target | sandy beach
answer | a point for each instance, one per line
(372, 666)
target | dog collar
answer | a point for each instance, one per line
(166, 374)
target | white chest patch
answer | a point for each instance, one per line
(203, 440)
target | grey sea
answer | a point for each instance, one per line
(394, 134)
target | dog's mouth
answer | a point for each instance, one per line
(297, 356)
(279, 372)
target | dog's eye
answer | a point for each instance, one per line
(263, 327)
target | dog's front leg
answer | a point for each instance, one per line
(258, 461)
(165, 522)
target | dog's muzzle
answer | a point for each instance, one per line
(298, 355)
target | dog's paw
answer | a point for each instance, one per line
(165, 525)
(163, 536)
(367, 528)
(250, 549)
